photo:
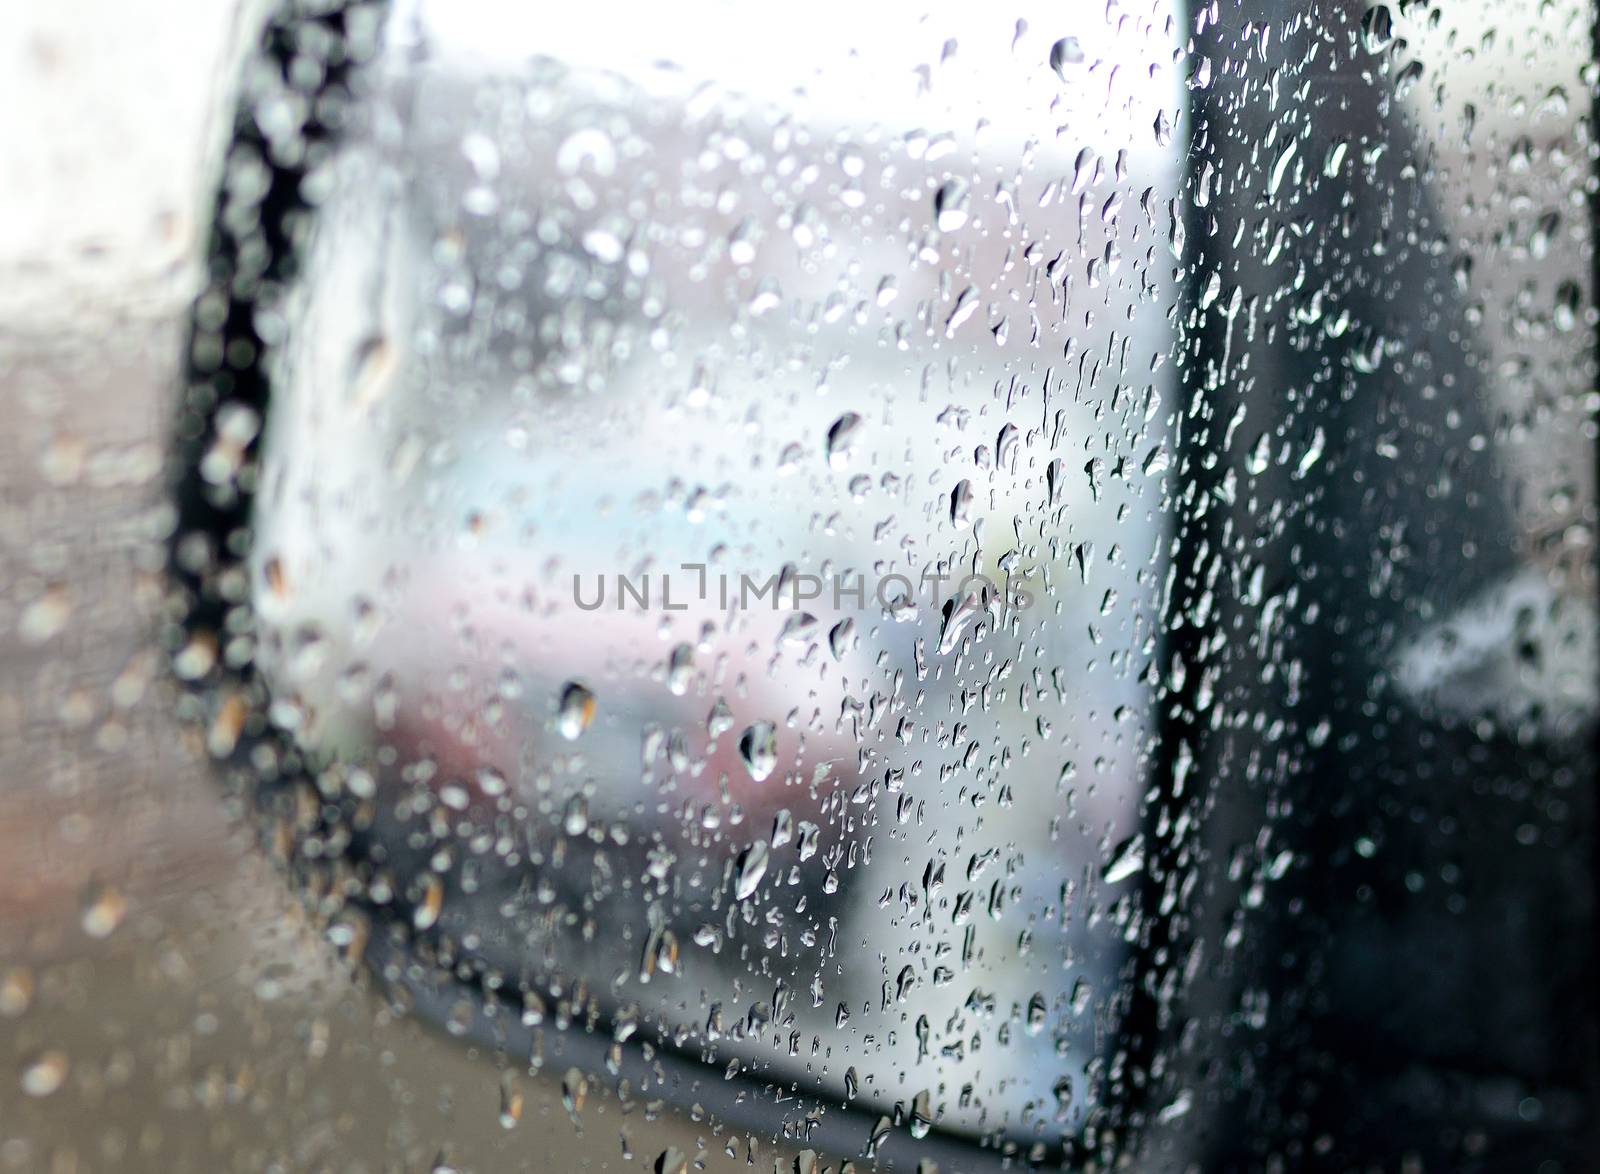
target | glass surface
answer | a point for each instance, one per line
(923, 587)
(719, 534)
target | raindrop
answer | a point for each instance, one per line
(603, 246)
(1407, 78)
(758, 747)
(575, 712)
(1260, 457)
(958, 615)
(1038, 1010)
(425, 915)
(103, 910)
(1063, 1094)
(1334, 159)
(961, 503)
(1177, 1107)
(903, 983)
(966, 306)
(880, 1132)
(1377, 28)
(16, 992)
(1082, 993)
(1544, 230)
(751, 867)
(1063, 53)
(810, 834)
(1312, 454)
(680, 669)
(950, 205)
(45, 1073)
(510, 1101)
(574, 1091)
(1568, 300)
(1280, 166)
(841, 638)
(767, 297)
(590, 146)
(45, 617)
(842, 437)
(575, 820)
(1126, 860)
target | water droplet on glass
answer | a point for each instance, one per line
(574, 1091)
(1038, 1010)
(1163, 129)
(1062, 1089)
(103, 910)
(425, 915)
(16, 992)
(1377, 28)
(966, 306)
(961, 503)
(680, 669)
(842, 437)
(750, 868)
(841, 638)
(1177, 1107)
(44, 1073)
(45, 617)
(510, 1101)
(575, 819)
(950, 205)
(1126, 859)
(1569, 298)
(758, 747)
(576, 710)
(1063, 53)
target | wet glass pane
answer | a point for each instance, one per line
(921, 586)
(710, 542)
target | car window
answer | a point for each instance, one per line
(905, 585)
